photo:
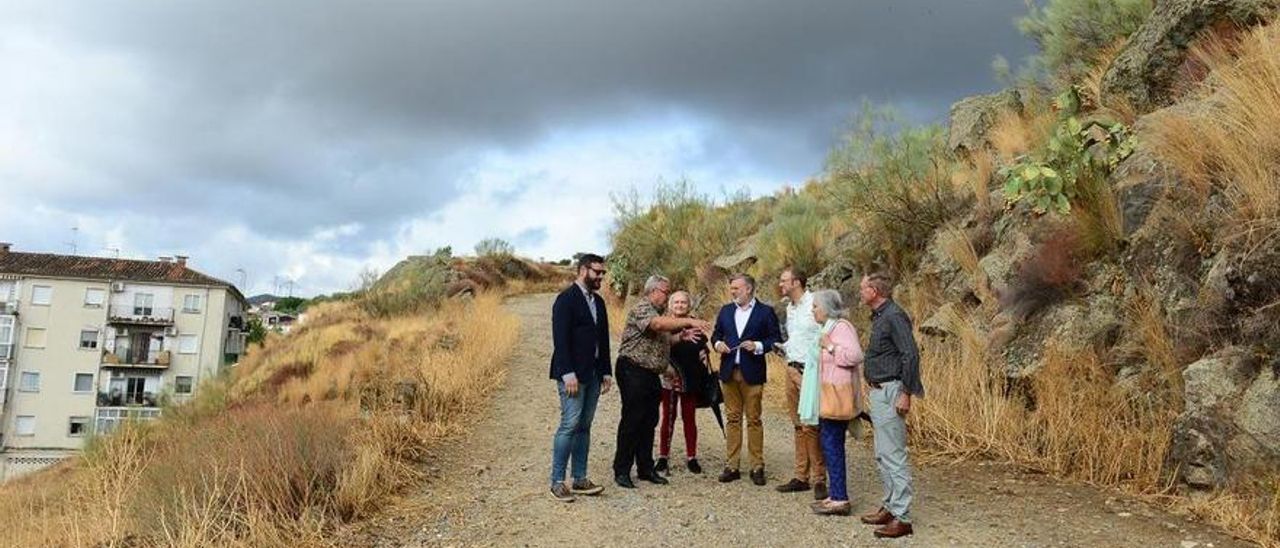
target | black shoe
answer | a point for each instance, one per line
(730, 475)
(653, 478)
(757, 476)
(694, 466)
(661, 466)
(793, 486)
(624, 481)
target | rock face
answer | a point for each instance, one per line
(1231, 423)
(1151, 63)
(973, 117)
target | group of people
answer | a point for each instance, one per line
(662, 360)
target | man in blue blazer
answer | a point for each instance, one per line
(745, 330)
(580, 367)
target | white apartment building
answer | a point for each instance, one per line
(88, 342)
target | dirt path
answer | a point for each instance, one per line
(491, 490)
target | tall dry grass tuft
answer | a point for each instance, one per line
(1014, 134)
(1071, 420)
(1226, 141)
(313, 430)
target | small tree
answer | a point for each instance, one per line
(494, 247)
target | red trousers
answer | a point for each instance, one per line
(687, 403)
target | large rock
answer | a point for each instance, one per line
(1230, 426)
(741, 258)
(1152, 62)
(973, 117)
(1093, 323)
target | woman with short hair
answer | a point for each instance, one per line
(839, 362)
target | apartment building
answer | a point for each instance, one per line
(87, 343)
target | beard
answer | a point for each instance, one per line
(592, 283)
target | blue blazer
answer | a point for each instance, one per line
(762, 327)
(579, 344)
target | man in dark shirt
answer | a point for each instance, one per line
(892, 369)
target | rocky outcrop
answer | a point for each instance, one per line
(973, 117)
(741, 258)
(1153, 61)
(1231, 422)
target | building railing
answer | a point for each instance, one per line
(8, 308)
(150, 315)
(106, 419)
(125, 357)
(6, 352)
(129, 400)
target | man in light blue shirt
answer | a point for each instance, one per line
(801, 337)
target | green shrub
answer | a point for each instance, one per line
(416, 284)
(1050, 180)
(895, 187)
(1072, 34)
(796, 237)
(495, 247)
(677, 233)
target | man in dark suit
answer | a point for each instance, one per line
(580, 367)
(745, 330)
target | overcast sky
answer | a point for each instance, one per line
(310, 139)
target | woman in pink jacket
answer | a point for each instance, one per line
(840, 363)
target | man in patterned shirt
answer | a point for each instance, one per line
(644, 353)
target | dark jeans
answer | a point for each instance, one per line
(832, 435)
(641, 394)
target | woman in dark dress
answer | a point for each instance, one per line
(680, 386)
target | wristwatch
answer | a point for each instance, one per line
(831, 349)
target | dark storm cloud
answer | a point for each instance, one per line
(291, 115)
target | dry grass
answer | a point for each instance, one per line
(1014, 134)
(313, 430)
(973, 175)
(1074, 419)
(1227, 142)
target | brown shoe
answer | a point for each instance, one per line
(730, 475)
(793, 486)
(879, 517)
(832, 508)
(820, 491)
(586, 487)
(560, 492)
(893, 529)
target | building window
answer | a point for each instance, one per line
(187, 344)
(191, 304)
(41, 295)
(84, 382)
(6, 330)
(182, 385)
(142, 304)
(36, 337)
(29, 381)
(78, 427)
(88, 339)
(25, 425)
(94, 297)
(108, 419)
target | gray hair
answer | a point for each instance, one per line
(830, 301)
(751, 282)
(653, 282)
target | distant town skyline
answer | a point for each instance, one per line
(284, 140)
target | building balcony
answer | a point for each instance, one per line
(6, 353)
(137, 358)
(8, 308)
(139, 315)
(106, 419)
(128, 400)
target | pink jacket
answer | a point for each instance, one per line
(844, 366)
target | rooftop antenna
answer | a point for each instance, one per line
(244, 278)
(289, 284)
(75, 233)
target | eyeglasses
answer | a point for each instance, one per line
(597, 271)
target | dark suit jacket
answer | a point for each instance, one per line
(762, 327)
(575, 338)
